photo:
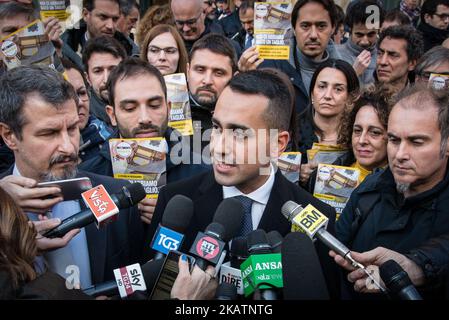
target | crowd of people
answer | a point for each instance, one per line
(365, 85)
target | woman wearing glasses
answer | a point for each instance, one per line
(164, 48)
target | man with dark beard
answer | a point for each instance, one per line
(139, 109)
(212, 64)
(100, 56)
(405, 206)
(39, 123)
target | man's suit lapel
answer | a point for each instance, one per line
(211, 195)
(272, 218)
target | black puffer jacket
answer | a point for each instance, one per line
(417, 226)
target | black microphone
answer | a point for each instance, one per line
(238, 251)
(258, 242)
(209, 246)
(226, 291)
(275, 240)
(130, 195)
(175, 220)
(150, 272)
(301, 269)
(397, 281)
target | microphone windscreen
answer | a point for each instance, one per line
(275, 241)
(288, 210)
(230, 215)
(394, 277)
(216, 228)
(258, 242)
(150, 272)
(178, 213)
(226, 291)
(134, 193)
(239, 247)
(301, 269)
(238, 251)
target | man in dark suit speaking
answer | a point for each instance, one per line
(250, 131)
(39, 123)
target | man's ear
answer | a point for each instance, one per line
(427, 18)
(280, 144)
(9, 137)
(412, 65)
(168, 108)
(87, 77)
(111, 114)
(85, 13)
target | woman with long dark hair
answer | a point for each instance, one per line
(333, 88)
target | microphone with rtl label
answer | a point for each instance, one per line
(397, 281)
(313, 223)
(128, 280)
(175, 220)
(208, 247)
(102, 208)
(262, 271)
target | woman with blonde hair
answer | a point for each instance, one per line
(164, 48)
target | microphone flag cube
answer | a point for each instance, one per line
(259, 269)
(309, 221)
(101, 204)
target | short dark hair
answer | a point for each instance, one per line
(328, 5)
(430, 7)
(399, 16)
(218, 44)
(248, 4)
(357, 13)
(415, 42)
(127, 5)
(259, 82)
(17, 84)
(131, 67)
(67, 64)
(423, 96)
(13, 8)
(102, 44)
(89, 5)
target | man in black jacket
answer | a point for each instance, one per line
(250, 130)
(39, 122)
(404, 208)
(100, 18)
(434, 25)
(139, 109)
(314, 23)
(192, 24)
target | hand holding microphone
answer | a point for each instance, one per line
(199, 285)
(102, 208)
(313, 223)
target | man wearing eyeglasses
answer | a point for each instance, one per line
(433, 68)
(191, 22)
(434, 22)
